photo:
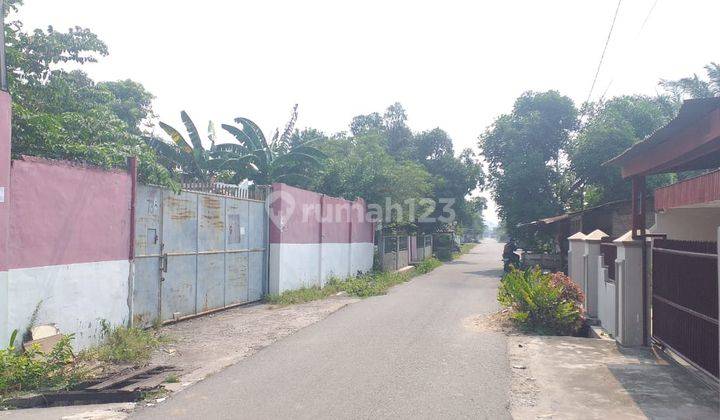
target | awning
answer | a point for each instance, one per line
(690, 141)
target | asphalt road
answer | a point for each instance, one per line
(406, 354)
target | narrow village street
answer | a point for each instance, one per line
(407, 354)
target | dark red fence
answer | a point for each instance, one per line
(609, 253)
(685, 300)
(700, 189)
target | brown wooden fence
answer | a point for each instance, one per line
(685, 300)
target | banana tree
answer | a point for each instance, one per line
(266, 162)
(190, 158)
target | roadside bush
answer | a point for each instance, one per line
(543, 303)
(428, 265)
(126, 345)
(34, 370)
(571, 291)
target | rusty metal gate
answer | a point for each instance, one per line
(196, 252)
(685, 300)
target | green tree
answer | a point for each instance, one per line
(190, 158)
(451, 178)
(432, 144)
(280, 160)
(614, 126)
(476, 219)
(64, 114)
(366, 124)
(523, 150)
(361, 167)
(693, 87)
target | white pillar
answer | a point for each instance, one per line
(591, 256)
(629, 289)
(576, 250)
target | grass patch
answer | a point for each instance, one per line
(60, 369)
(366, 285)
(428, 265)
(126, 345)
(464, 249)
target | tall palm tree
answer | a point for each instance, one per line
(264, 163)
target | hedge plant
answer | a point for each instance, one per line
(543, 303)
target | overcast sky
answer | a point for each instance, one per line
(452, 64)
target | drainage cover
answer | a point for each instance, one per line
(124, 387)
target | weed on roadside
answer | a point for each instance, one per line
(126, 345)
(464, 249)
(34, 370)
(428, 265)
(363, 285)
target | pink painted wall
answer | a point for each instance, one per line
(5, 106)
(295, 218)
(62, 213)
(362, 230)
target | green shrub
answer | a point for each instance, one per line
(34, 370)
(571, 291)
(444, 254)
(544, 303)
(126, 345)
(428, 265)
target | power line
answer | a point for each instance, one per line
(637, 37)
(602, 56)
(647, 17)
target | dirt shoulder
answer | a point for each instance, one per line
(205, 345)
(575, 377)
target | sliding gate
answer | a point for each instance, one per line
(196, 252)
(685, 300)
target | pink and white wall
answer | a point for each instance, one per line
(314, 237)
(64, 243)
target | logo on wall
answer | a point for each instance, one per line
(280, 208)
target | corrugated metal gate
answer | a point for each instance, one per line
(685, 300)
(196, 252)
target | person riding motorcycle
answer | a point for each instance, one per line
(509, 255)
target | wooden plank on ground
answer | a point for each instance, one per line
(148, 383)
(121, 378)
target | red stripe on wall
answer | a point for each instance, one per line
(61, 213)
(302, 217)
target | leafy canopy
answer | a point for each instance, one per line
(64, 114)
(524, 151)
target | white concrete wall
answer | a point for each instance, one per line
(688, 224)
(4, 337)
(75, 297)
(606, 298)
(361, 255)
(293, 266)
(335, 261)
